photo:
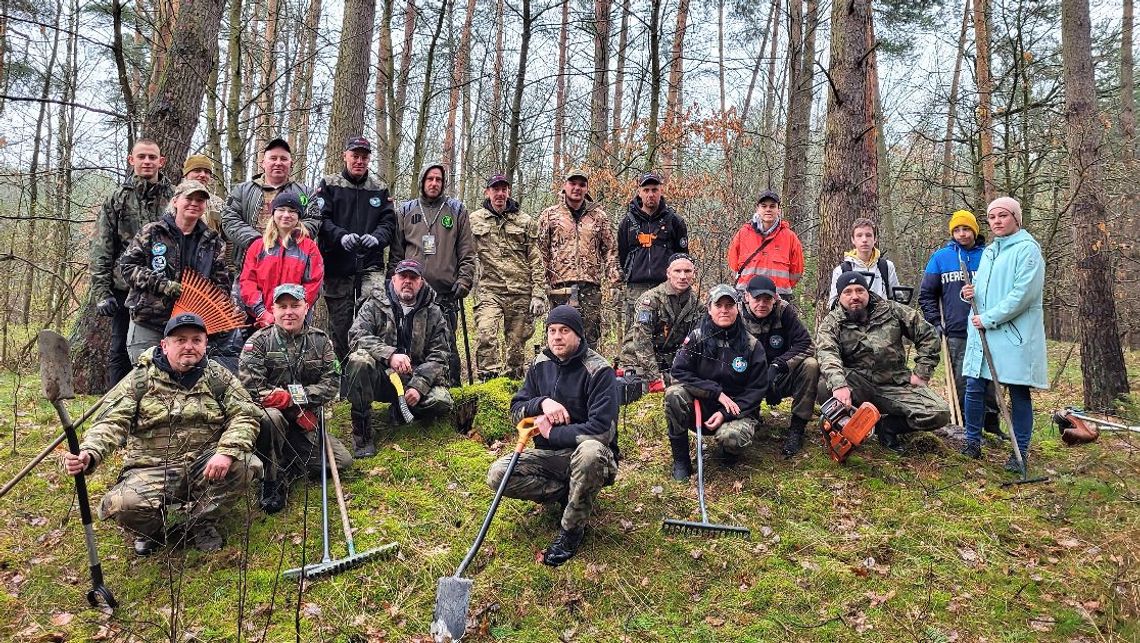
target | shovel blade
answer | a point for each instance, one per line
(55, 366)
(452, 597)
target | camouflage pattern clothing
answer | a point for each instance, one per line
(168, 434)
(871, 360)
(793, 370)
(273, 359)
(587, 298)
(134, 204)
(384, 328)
(663, 318)
(508, 273)
(247, 210)
(733, 436)
(343, 298)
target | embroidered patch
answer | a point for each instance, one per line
(320, 202)
(304, 199)
(158, 264)
(374, 202)
(739, 364)
(448, 221)
(158, 249)
(683, 242)
(776, 341)
(247, 347)
(644, 317)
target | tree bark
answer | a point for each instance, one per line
(234, 141)
(849, 185)
(425, 103)
(652, 137)
(560, 92)
(173, 112)
(301, 96)
(952, 114)
(985, 90)
(797, 137)
(458, 79)
(398, 96)
(719, 51)
(385, 77)
(599, 101)
(266, 106)
(1102, 360)
(512, 169)
(673, 95)
(619, 71)
(494, 110)
(119, 55)
(352, 67)
(1127, 87)
(768, 129)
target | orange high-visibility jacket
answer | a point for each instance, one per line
(779, 256)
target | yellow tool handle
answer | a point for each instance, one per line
(397, 383)
(527, 430)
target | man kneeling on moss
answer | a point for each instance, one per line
(572, 391)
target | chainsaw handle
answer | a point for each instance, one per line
(527, 430)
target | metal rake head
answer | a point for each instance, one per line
(706, 529)
(334, 567)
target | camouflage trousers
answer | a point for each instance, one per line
(450, 309)
(733, 436)
(574, 476)
(368, 382)
(799, 384)
(342, 301)
(632, 293)
(502, 316)
(141, 498)
(589, 305)
(289, 452)
(918, 406)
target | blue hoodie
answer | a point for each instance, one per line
(942, 282)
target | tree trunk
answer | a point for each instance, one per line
(848, 185)
(1102, 360)
(213, 126)
(425, 104)
(130, 110)
(173, 112)
(952, 114)
(495, 108)
(599, 97)
(398, 96)
(985, 90)
(352, 67)
(234, 141)
(877, 144)
(385, 77)
(512, 169)
(719, 51)
(301, 96)
(458, 79)
(673, 95)
(162, 37)
(651, 135)
(560, 92)
(1127, 87)
(266, 105)
(769, 131)
(619, 71)
(797, 138)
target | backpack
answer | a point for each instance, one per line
(847, 266)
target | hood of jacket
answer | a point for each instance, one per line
(443, 189)
(200, 226)
(511, 207)
(1019, 237)
(735, 335)
(853, 256)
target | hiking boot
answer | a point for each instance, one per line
(206, 538)
(362, 444)
(972, 450)
(272, 496)
(682, 466)
(564, 546)
(794, 442)
(147, 545)
(729, 458)
(1012, 466)
(888, 432)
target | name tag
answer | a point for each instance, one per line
(429, 244)
(297, 392)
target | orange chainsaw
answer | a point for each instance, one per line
(845, 427)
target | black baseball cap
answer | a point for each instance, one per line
(357, 143)
(277, 142)
(183, 320)
(410, 265)
(768, 194)
(497, 179)
(761, 285)
(649, 178)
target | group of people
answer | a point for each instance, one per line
(198, 430)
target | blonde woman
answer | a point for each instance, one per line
(285, 254)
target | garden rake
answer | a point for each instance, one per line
(704, 527)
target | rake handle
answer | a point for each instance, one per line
(700, 462)
(344, 524)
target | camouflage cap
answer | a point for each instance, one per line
(721, 291)
(190, 186)
(296, 291)
(577, 173)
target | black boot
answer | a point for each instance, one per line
(272, 496)
(682, 466)
(795, 440)
(564, 546)
(362, 444)
(888, 430)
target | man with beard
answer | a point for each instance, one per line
(862, 359)
(664, 317)
(650, 233)
(357, 224)
(510, 290)
(725, 369)
(436, 231)
(399, 329)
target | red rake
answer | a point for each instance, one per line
(210, 302)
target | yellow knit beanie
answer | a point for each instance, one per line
(966, 218)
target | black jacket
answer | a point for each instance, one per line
(357, 207)
(716, 360)
(785, 340)
(585, 384)
(644, 260)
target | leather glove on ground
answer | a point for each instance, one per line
(369, 241)
(108, 307)
(537, 306)
(459, 291)
(657, 386)
(171, 288)
(350, 241)
(277, 399)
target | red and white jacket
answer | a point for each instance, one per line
(266, 268)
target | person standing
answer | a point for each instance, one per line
(509, 288)
(283, 255)
(141, 199)
(436, 231)
(866, 259)
(650, 233)
(768, 247)
(579, 252)
(1009, 288)
(199, 167)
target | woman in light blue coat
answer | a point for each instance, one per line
(1009, 289)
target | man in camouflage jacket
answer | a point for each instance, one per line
(510, 289)
(142, 198)
(289, 367)
(580, 253)
(664, 316)
(399, 329)
(861, 357)
(187, 428)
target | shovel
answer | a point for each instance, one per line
(453, 594)
(704, 527)
(55, 379)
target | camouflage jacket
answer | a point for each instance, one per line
(507, 257)
(273, 358)
(785, 338)
(383, 329)
(159, 254)
(134, 204)
(172, 425)
(664, 317)
(577, 250)
(246, 210)
(875, 349)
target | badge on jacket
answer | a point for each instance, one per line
(739, 364)
(448, 221)
(158, 264)
(776, 341)
(374, 202)
(158, 249)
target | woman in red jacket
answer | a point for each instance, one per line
(284, 254)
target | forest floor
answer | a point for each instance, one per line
(924, 547)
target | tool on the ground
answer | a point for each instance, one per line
(327, 565)
(466, 342)
(845, 427)
(704, 527)
(402, 403)
(1078, 428)
(1002, 407)
(55, 380)
(631, 385)
(453, 593)
(210, 302)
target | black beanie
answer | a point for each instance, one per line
(848, 278)
(567, 316)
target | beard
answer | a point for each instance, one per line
(858, 315)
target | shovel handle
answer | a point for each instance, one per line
(527, 430)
